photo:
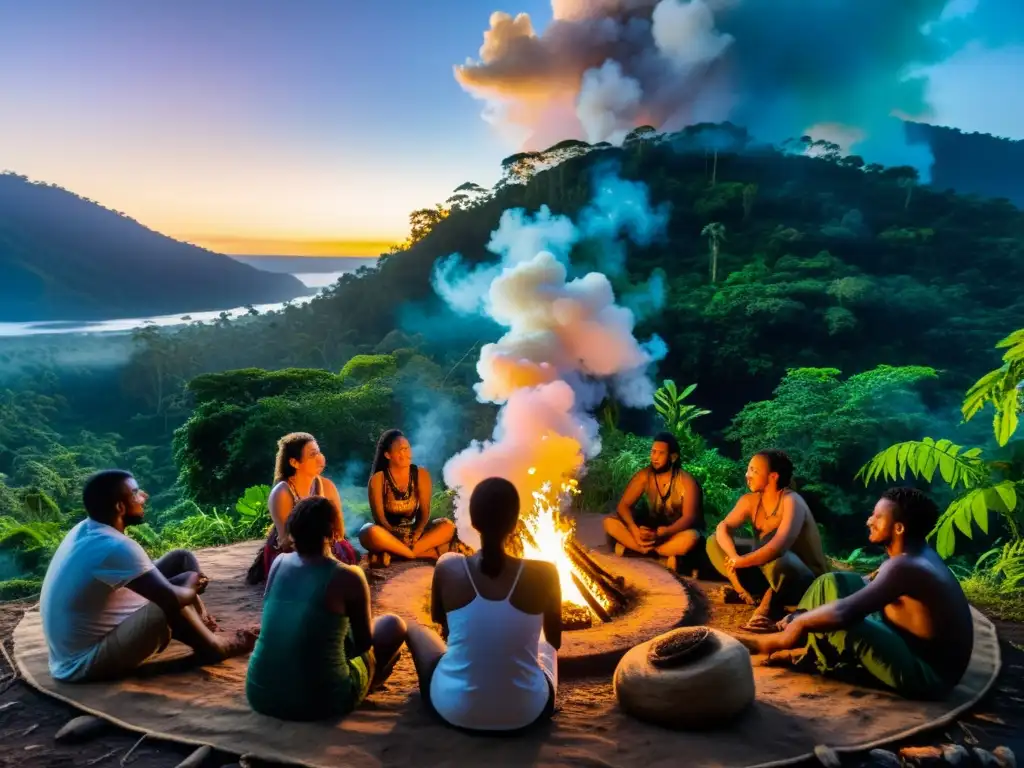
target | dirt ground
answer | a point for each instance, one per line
(29, 720)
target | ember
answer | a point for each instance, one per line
(588, 591)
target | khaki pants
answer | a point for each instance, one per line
(143, 634)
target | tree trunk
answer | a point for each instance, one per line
(714, 170)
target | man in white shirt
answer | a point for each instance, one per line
(106, 607)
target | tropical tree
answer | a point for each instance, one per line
(715, 233)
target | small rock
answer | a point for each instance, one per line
(827, 756)
(922, 755)
(985, 758)
(1005, 757)
(884, 758)
(197, 758)
(80, 729)
(956, 754)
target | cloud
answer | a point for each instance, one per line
(777, 67)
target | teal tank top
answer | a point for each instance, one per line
(299, 669)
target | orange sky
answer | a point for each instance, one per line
(272, 247)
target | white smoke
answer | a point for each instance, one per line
(568, 344)
(776, 67)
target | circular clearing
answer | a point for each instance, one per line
(659, 603)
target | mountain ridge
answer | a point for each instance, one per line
(65, 257)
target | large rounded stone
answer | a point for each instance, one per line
(694, 677)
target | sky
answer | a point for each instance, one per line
(315, 127)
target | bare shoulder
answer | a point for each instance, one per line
(350, 579)
(328, 484)
(446, 562)
(422, 474)
(280, 495)
(541, 570)
(747, 502)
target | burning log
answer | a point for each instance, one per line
(601, 580)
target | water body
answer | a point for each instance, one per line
(318, 280)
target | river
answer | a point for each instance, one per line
(49, 327)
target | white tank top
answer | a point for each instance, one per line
(490, 677)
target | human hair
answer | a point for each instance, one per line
(289, 447)
(384, 443)
(915, 509)
(673, 447)
(313, 522)
(494, 512)
(102, 491)
(780, 463)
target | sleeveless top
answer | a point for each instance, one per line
(490, 677)
(806, 546)
(342, 550)
(316, 489)
(299, 667)
(667, 508)
(400, 507)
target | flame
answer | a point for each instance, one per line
(550, 533)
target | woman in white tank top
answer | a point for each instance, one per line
(502, 619)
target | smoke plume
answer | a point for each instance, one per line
(841, 69)
(567, 346)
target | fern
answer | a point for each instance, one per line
(974, 506)
(957, 467)
(1007, 567)
(921, 458)
(1002, 388)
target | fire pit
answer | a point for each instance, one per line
(589, 592)
(610, 604)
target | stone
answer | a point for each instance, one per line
(827, 756)
(956, 754)
(1005, 757)
(80, 729)
(883, 758)
(197, 758)
(706, 689)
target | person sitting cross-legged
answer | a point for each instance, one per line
(908, 627)
(399, 493)
(320, 651)
(787, 554)
(502, 619)
(106, 607)
(672, 525)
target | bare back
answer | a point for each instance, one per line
(538, 590)
(930, 611)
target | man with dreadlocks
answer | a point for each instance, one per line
(661, 511)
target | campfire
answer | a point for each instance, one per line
(589, 592)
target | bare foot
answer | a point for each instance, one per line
(788, 658)
(744, 596)
(753, 643)
(243, 642)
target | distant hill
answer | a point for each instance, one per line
(973, 163)
(294, 265)
(63, 257)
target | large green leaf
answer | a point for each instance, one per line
(921, 458)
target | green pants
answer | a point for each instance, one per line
(787, 576)
(870, 651)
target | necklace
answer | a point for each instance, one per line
(399, 495)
